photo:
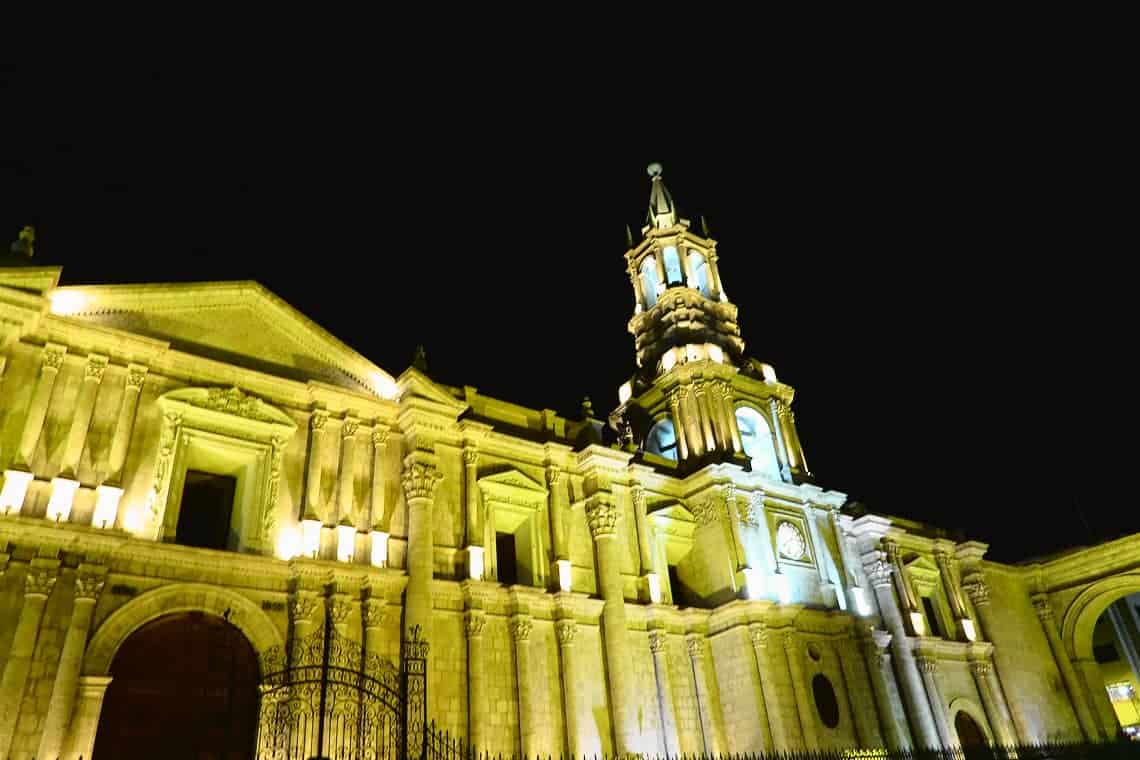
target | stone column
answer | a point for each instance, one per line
(658, 645)
(783, 451)
(715, 290)
(81, 416)
(791, 436)
(474, 622)
(902, 581)
(125, 425)
(372, 620)
(567, 630)
(378, 508)
(855, 685)
(89, 582)
(89, 704)
(929, 669)
(420, 479)
(644, 551)
(1090, 672)
(772, 729)
(473, 527)
(38, 584)
(876, 647)
(301, 607)
(556, 507)
(1073, 685)
(314, 510)
(520, 627)
(346, 471)
(879, 571)
(726, 396)
(975, 588)
(804, 705)
(52, 361)
(712, 717)
(822, 552)
(993, 702)
(690, 417)
(703, 411)
(601, 515)
(678, 425)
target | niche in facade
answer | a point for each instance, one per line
(514, 519)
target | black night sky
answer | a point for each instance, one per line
(937, 260)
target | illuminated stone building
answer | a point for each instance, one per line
(202, 463)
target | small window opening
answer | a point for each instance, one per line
(206, 509)
(506, 558)
(672, 266)
(932, 620)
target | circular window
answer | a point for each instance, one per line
(790, 541)
(814, 651)
(825, 702)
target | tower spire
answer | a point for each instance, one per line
(662, 212)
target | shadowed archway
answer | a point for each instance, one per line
(185, 687)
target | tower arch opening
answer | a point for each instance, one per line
(662, 440)
(756, 438)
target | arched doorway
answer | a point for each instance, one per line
(970, 734)
(184, 688)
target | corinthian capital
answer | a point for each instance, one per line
(566, 630)
(302, 607)
(553, 474)
(380, 436)
(318, 419)
(374, 613)
(53, 357)
(695, 645)
(136, 376)
(976, 588)
(350, 426)
(339, 608)
(88, 584)
(95, 368)
(981, 667)
(879, 573)
(758, 632)
(474, 621)
(601, 515)
(420, 479)
(927, 664)
(521, 628)
(40, 581)
(470, 456)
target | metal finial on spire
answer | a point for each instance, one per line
(419, 360)
(25, 244)
(662, 213)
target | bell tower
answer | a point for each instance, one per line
(695, 398)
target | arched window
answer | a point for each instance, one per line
(757, 439)
(662, 440)
(649, 280)
(672, 266)
(698, 273)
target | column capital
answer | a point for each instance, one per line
(89, 583)
(976, 588)
(791, 640)
(1042, 607)
(380, 435)
(696, 645)
(339, 608)
(318, 419)
(927, 664)
(553, 474)
(658, 638)
(520, 627)
(419, 478)
(136, 376)
(758, 633)
(95, 368)
(981, 668)
(601, 515)
(302, 606)
(349, 427)
(40, 581)
(52, 358)
(374, 614)
(470, 456)
(566, 630)
(879, 571)
(474, 621)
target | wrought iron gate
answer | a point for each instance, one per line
(333, 701)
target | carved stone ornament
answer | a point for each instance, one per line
(171, 422)
(553, 475)
(276, 460)
(749, 510)
(927, 665)
(349, 427)
(879, 573)
(420, 480)
(319, 419)
(521, 628)
(601, 515)
(95, 368)
(302, 608)
(470, 457)
(708, 510)
(474, 622)
(339, 609)
(790, 541)
(89, 585)
(234, 401)
(39, 582)
(976, 588)
(374, 614)
(53, 357)
(380, 436)
(981, 668)
(1042, 607)
(695, 646)
(136, 376)
(566, 630)
(791, 641)
(758, 633)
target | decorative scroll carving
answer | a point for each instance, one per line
(1042, 607)
(758, 632)
(553, 474)
(339, 608)
(601, 515)
(708, 510)
(40, 581)
(374, 614)
(976, 588)
(658, 639)
(319, 419)
(95, 368)
(474, 621)
(53, 357)
(276, 460)
(695, 645)
(88, 585)
(566, 631)
(168, 436)
(136, 376)
(349, 427)
(750, 509)
(520, 628)
(234, 401)
(470, 457)
(380, 436)
(879, 573)
(981, 668)
(420, 480)
(302, 607)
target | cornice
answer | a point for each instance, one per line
(1084, 565)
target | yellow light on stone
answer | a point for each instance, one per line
(288, 543)
(14, 491)
(310, 537)
(969, 629)
(918, 623)
(475, 563)
(384, 386)
(563, 574)
(753, 583)
(106, 506)
(345, 542)
(625, 392)
(379, 541)
(654, 581)
(133, 521)
(67, 302)
(768, 372)
(62, 496)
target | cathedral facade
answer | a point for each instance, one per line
(194, 469)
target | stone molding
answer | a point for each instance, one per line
(976, 589)
(601, 515)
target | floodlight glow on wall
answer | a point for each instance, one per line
(780, 586)
(133, 521)
(62, 497)
(288, 543)
(969, 629)
(654, 581)
(345, 543)
(918, 623)
(310, 537)
(67, 302)
(14, 491)
(753, 583)
(379, 541)
(563, 574)
(859, 595)
(475, 563)
(106, 506)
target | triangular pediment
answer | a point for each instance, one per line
(515, 479)
(229, 401)
(238, 322)
(414, 384)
